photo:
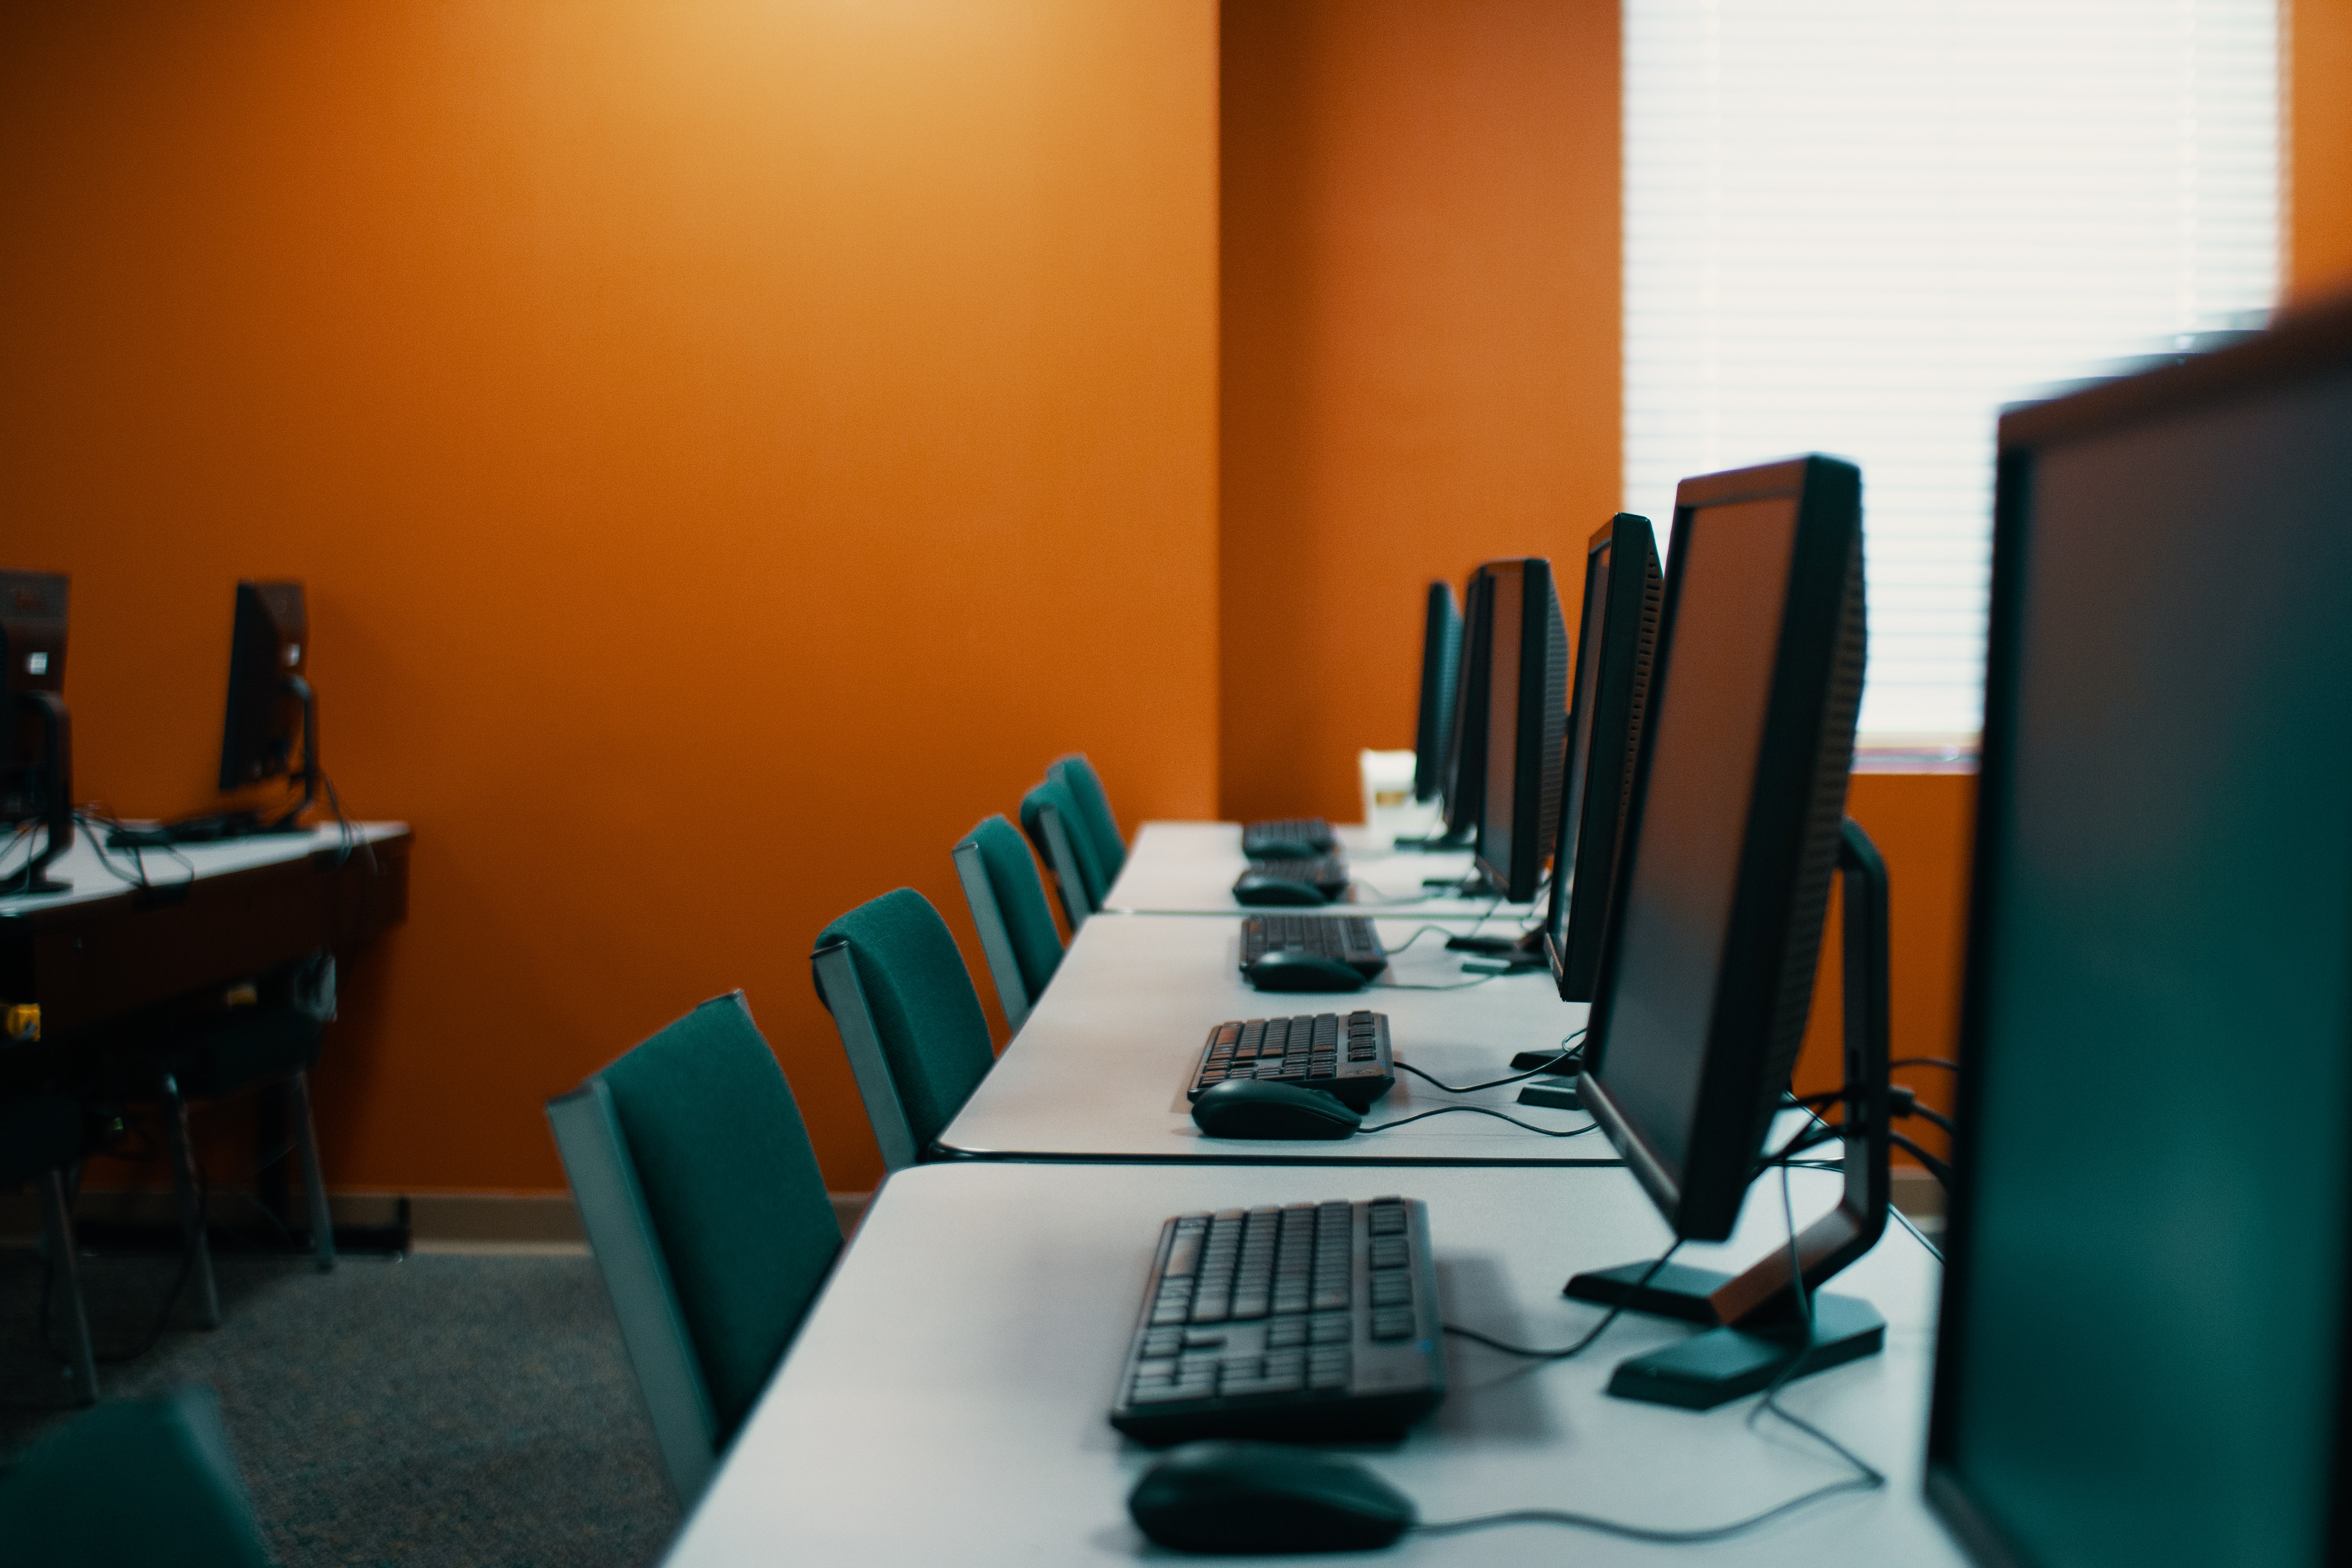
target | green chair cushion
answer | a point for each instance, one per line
(733, 1188)
(934, 1036)
(1078, 776)
(1093, 886)
(1020, 902)
(134, 1482)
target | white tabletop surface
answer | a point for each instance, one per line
(946, 1400)
(1188, 867)
(1100, 1069)
(98, 874)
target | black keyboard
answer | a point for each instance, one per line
(1313, 1321)
(1351, 939)
(1328, 872)
(1288, 838)
(1347, 1057)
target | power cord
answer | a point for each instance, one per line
(1480, 1110)
(1580, 1346)
(1494, 1083)
(1866, 1476)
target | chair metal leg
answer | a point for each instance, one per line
(314, 1180)
(192, 1213)
(58, 1241)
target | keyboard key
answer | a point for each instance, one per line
(1392, 1290)
(1392, 1323)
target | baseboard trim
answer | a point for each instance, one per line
(438, 1222)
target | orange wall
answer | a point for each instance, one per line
(1419, 348)
(730, 448)
(2319, 146)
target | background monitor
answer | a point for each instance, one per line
(1465, 740)
(1615, 645)
(1738, 795)
(1440, 662)
(270, 705)
(1526, 719)
(35, 733)
(2146, 1340)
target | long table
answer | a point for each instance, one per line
(209, 912)
(1099, 1071)
(945, 1401)
(1188, 867)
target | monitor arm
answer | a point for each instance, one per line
(299, 689)
(1759, 1323)
(55, 771)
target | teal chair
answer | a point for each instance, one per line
(1078, 775)
(133, 1483)
(918, 1042)
(1008, 907)
(704, 1205)
(1050, 817)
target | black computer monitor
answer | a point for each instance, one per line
(1466, 740)
(1526, 719)
(1440, 662)
(1615, 645)
(1733, 839)
(36, 732)
(2145, 1345)
(271, 709)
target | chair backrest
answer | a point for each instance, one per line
(1008, 907)
(134, 1482)
(1078, 775)
(891, 975)
(1050, 817)
(702, 1200)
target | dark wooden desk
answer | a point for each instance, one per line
(211, 914)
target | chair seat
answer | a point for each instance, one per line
(225, 1054)
(37, 1133)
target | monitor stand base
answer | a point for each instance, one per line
(1724, 1364)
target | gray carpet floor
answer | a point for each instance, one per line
(434, 1410)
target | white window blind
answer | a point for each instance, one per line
(1859, 227)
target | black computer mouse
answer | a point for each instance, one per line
(1252, 1108)
(1286, 969)
(1257, 888)
(1251, 1498)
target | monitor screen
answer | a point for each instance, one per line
(32, 680)
(2143, 1355)
(1441, 661)
(1707, 973)
(1580, 730)
(1614, 650)
(1527, 718)
(1465, 743)
(1708, 727)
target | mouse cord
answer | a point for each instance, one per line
(1424, 985)
(1580, 1346)
(1491, 1083)
(1479, 1111)
(1419, 931)
(1866, 1478)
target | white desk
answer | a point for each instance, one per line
(1187, 868)
(1099, 1071)
(95, 876)
(945, 1401)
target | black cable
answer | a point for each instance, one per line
(1418, 933)
(1936, 1167)
(1944, 1062)
(1429, 985)
(1480, 1110)
(1493, 1083)
(1591, 1335)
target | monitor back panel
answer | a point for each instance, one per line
(2143, 1346)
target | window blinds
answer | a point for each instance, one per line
(1859, 227)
